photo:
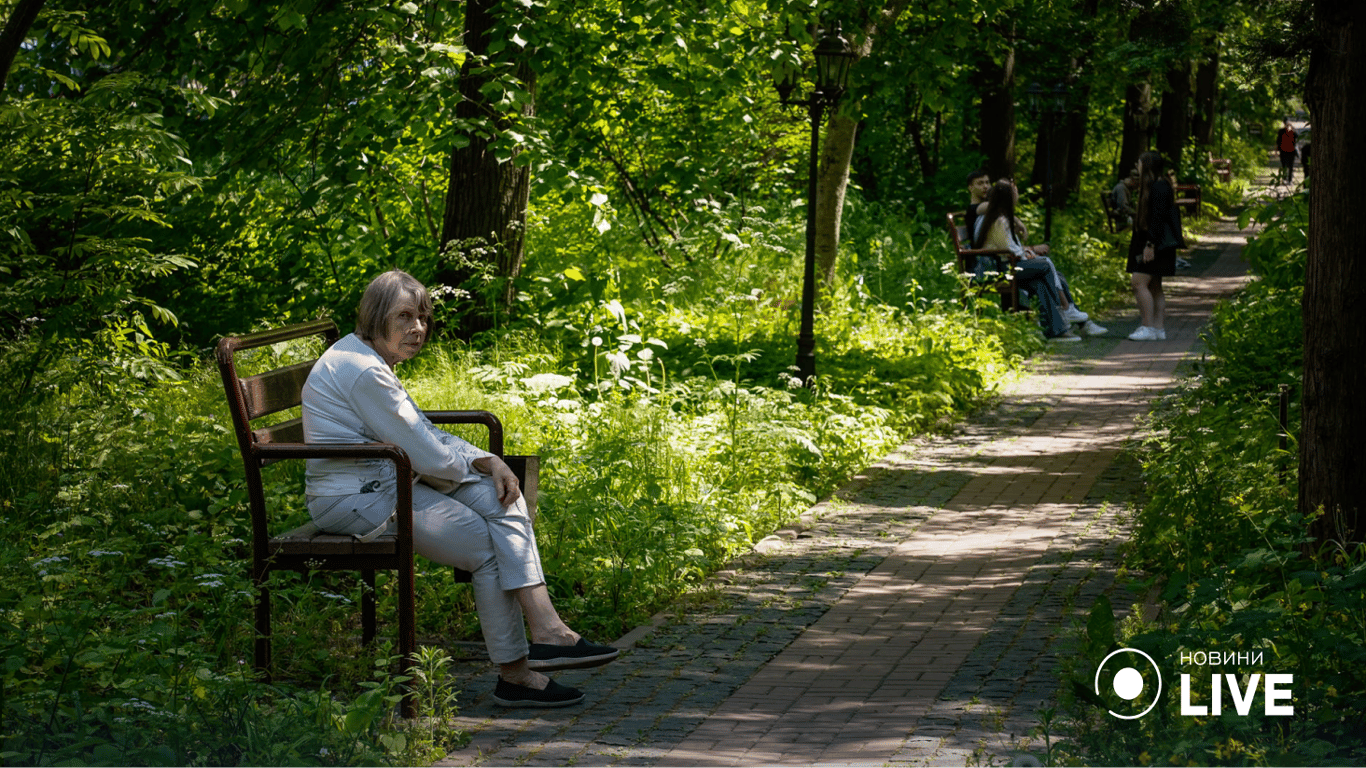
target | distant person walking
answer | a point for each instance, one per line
(1152, 251)
(1285, 144)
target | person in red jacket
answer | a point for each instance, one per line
(1285, 144)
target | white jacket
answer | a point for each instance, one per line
(353, 396)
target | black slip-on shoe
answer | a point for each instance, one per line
(548, 658)
(555, 695)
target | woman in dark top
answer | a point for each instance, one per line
(1152, 251)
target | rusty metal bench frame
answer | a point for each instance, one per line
(1006, 287)
(306, 548)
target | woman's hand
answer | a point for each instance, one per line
(1148, 253)
(504, 481)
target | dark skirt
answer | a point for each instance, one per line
(1163, 263)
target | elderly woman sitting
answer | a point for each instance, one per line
(468, 511)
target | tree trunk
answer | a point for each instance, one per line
(1206, 89)
(928, 164)
(1077, 114)
(482, 228)
(1076, 139)
(837, 153)
(1334, 414)
(1175, 125)
(1051, 143)
(12, 37)
(996, 130)
(1138, 100)
(830, 188)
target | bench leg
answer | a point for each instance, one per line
(407, 629)
(262, 645)
(367, 607)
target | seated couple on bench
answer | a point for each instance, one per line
(992, 224)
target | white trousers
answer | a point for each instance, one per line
(467, 529)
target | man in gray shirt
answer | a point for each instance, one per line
(1121, 200)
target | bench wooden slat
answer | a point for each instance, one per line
(308, 540)
(275, 391)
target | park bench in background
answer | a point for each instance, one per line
(306, 548)
(1006, 287)
(1223, 167)
(1188, 198)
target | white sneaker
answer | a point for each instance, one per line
(1074, 315)
(1144, 333)
(1091, 328)
(1066, 337)
(1182, 263)
(1161, 334)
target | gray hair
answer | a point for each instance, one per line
(385, 291)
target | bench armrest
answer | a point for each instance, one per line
(473, 417)
(341, 451)
(403, 467)
(985, 252)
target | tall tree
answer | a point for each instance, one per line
(995, 80)
(484, 222)
(1334, 415)
(838, 151)
(1175, 124)
(1206, 96)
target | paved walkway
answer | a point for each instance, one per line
(917, 617)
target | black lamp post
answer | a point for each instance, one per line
(1050, 104)
(1153, 122)
(833, 58)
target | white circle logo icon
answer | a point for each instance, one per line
(1127, 682)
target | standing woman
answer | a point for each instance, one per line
(1152, 251)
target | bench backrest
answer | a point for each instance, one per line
(263, 394)
(259, 395)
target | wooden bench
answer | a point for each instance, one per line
(1188, 197)
(306, 548)
(1223, 167)
(1006, 286)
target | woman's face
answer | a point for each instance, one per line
(407, 333)
(1138, 168)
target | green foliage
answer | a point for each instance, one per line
(1279, 251)
(126, 605)
(86, 189)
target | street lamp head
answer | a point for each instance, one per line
(833, 59)
(1036, 94)
(1060, 98)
